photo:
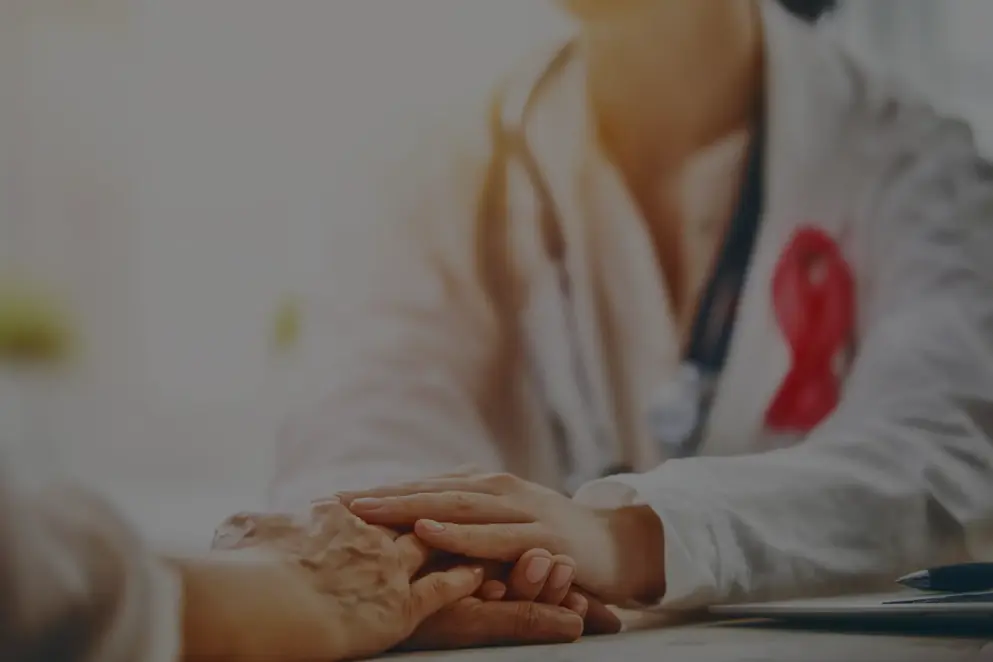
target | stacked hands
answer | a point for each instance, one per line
(458, 561)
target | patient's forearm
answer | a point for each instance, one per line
(236, 608)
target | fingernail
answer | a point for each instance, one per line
(431, 526)
(368, 504)
(561, 576)
(537, 569)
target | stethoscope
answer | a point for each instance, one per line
(680, 409)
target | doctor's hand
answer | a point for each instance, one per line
(618, 553)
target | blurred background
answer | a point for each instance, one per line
(170, 170)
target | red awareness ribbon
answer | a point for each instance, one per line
(813, 293)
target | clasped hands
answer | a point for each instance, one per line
(482, 560)
(618, 553)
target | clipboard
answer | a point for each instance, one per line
(907, 604)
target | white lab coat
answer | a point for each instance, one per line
(899, 476)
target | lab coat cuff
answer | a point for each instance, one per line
(164, 642)
(691, 556)
(147, 625)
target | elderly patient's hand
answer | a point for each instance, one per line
(358, 580)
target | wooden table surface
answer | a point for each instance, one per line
(742, 642)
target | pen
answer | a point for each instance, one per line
(961, 578)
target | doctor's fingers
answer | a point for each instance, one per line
(454, 507)
(494, 542)
(494, 484)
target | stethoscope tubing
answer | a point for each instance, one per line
(514, 146)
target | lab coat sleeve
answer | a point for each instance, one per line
(900, 477)
(404, 337)
(76, 585)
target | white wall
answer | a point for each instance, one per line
(968, 65)
(941, 47)
(178, 166)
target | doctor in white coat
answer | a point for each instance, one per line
(698, 269)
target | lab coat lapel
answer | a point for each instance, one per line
(799, 126)
(555, 134)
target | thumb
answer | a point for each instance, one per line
(436, 591)
(492, 542)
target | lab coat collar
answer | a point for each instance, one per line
(801, 116)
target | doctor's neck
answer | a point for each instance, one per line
(669, 77)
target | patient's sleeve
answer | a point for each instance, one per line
(76, 583)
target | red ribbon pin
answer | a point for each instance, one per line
(813, 293)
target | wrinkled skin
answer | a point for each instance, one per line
(367, 574)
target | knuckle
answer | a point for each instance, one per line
(505, 531)
(502, 482)
(557, 541)
(527, 620)
(395, 507)
(464, 579)
(462, 504)
(441, 585)
(250, 529)
(388, 533)
(464, 537)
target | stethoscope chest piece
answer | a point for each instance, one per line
(677, 410)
